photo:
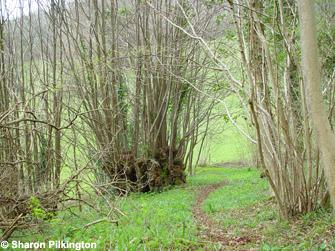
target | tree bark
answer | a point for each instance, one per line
(312, 77)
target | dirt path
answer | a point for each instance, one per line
(209, 230)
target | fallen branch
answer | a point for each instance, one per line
(8, 232)
(96, 222)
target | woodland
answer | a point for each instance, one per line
(167, 124)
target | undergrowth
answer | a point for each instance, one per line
(164, 221)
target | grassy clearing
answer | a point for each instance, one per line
(164, 221)
(229, 146)
(224, 142)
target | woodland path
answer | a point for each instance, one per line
(210, 230)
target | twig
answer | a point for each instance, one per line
(8, 232)
(96, 222)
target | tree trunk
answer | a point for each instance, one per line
(312, 77)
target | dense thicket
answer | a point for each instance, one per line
(132, 67)
(268, 38)
(112, 89)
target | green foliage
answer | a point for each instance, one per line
(224, 142)
(244, 189)
(36, 209)
(245, 208)
(164, 221)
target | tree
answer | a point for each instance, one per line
(312, 76)
(140, 109)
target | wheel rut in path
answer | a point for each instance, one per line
(210, 230)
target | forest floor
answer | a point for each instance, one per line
(210, 230)
(217, 209)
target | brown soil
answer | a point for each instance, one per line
(211, 231)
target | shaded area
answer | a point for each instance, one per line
(131, 174)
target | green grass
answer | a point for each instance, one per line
(224, 142)
(154, 220)
(229, 146)
(164, 221)
(244, 208)
(157, 221)
(244, 188)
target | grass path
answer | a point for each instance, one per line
(249, 218)
(210, 231)
(217, 209)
